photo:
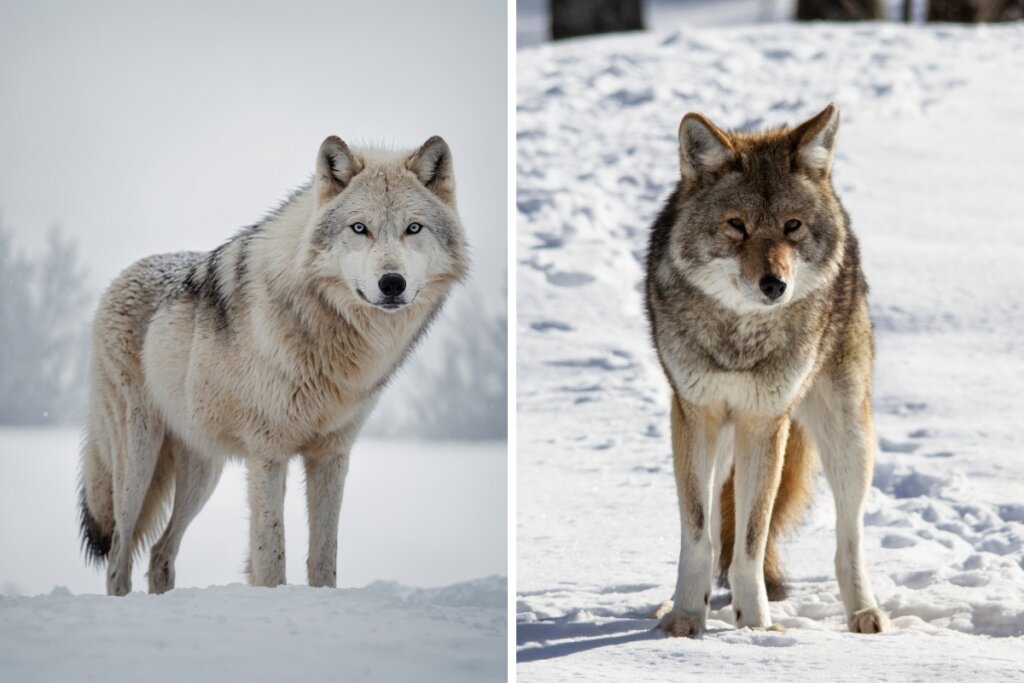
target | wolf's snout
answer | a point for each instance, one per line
(772, 286)
(391, 284)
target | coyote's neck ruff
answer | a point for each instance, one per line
(277, 342)
(758, 310)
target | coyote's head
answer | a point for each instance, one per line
(385, 230)
(758, 222)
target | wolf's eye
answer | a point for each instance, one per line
(359, 228)
(737, 224)
(792, 226)
(414, 228)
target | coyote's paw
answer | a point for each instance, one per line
(757, 622)
(870, 620)
(661, 610)
(677, 624)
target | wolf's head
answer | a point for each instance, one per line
(384, 229)
(758, 224)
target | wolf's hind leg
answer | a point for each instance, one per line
(760, 445)
(695, 431)
(133, 475)
(195, 479)
(266, 520)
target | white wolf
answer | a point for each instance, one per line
(274, 344)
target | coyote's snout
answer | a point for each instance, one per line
(757, 307)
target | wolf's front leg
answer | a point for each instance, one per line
(325, 483)
(266, 520)
(760, 449)
(695, 429)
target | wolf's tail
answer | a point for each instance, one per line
(96, 498)
(795, 489)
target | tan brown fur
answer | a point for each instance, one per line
(686, 441)
(791, 501)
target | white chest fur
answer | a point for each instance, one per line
(745, 391)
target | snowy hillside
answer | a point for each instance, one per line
(928, 166)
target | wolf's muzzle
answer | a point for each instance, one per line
(391, 285)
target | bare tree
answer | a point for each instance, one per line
(974, 11)
(44, 332)
(839, 10)
(571, 18)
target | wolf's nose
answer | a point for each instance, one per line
(772, 286)
(391, 284)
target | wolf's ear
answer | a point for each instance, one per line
(432, 164)
(814, 142)
(335, 167)
(703, 147)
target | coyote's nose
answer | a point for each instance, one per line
(772, 286)
(391, 284)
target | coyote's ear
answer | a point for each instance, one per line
(335, 167)
(432, 164)
(814, 142)
(703, 147)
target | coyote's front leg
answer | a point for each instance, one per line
(840, 421)
(760, 449)
(695, 431)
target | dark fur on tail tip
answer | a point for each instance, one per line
(95, 542)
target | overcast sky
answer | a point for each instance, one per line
(151, 127)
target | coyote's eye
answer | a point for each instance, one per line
(792, 226)
(359, 228)
(413, 228)
(738, 225)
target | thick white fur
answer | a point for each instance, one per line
(295, 370)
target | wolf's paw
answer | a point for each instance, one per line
(870, 620)
(679, 624)
(161, 575)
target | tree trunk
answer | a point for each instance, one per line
(571, 18)
(959, 11)
(839, 10)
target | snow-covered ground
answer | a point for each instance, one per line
(234, 633)
(415, 514)
(929, 167)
